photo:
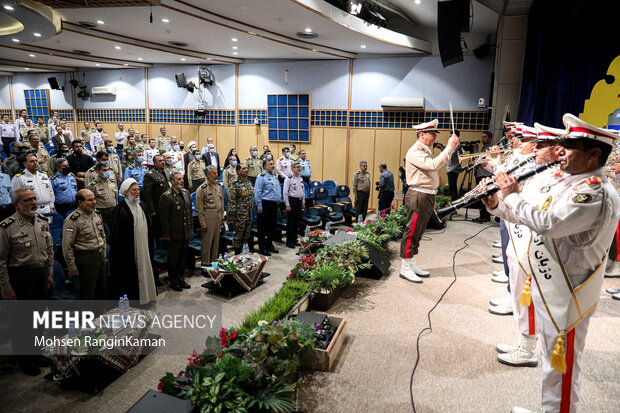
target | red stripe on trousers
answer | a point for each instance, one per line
(531, 318)
(618, 242)
(411, 231)
(567, 378)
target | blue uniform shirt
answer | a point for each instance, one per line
(136, 172)
(65, 188)
(6, 189)
(305, 168)
(267, 187)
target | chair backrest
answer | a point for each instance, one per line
(2, 156)
(331, 186)
(55, 223)
(281, 192)
(192, 197)
(69, 213)
(87, 146)
(319, 195)
(307, 192)
(314, 184)
(342, 193)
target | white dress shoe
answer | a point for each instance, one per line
(616, 296)
(613, 290)
(496, 255)
(502, 279)
(499, 273)
(505, 309)
(612, 269)
(498, 260)
(497, 244)
(417, 270)
(505, 299)
(407, 273)
(517, 409)
(525, 354)
(506, 348)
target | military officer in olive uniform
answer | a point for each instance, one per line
(210, 208)
(230, 173)
(175, 213)
(254, 165)
(43, 156)
(240, 205)
(83, 246)
(361, 189)
(26, 267)
(106, 192)
(195, 171)
(162, 140)
(156, 182)
(41, 131)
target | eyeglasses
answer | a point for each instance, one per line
(541, 145)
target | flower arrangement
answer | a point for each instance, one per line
(316, 236)
(302, 268)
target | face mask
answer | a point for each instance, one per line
(105, 175)
(234, 163)
(140, 159)
(66, 170)
(182, 146)
(212, 150)
(106, 163)
(175, 147)
(269, 157)
(169, 161)
(288, 154)
(197, 157)
(254, 153)
(110, 149)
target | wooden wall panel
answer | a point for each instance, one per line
(334, 154)
(361, 148)
(188, 133)
(205, 131)
(225, 141)
(387, 150)
(314, 153)
(247, 138)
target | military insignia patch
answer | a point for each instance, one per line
(582, 198)
(27, 244)
(178, 206)
(546, 204)
(69, 230)
(545, 189)
(594, 180)
(6, 222)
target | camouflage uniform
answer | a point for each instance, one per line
(128, 155)
(240, 206)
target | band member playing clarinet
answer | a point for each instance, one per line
(422, 171)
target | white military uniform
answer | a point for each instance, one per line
(38, 183)
(581, 218)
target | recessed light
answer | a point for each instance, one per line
(417, 1)
(9, 8)
(100, 22)
(125, 64)
(244, 7)
(97, 64)
(234, 39)
(36, 34)
(363, 46)
(140, 59)
(308, 30)
(165, 20)
(117, 47)
(27, 68)
(235, 53)
(235, 47)
(15, 40)
(32, 55)
(183, 59)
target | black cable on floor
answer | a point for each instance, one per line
(430, 328)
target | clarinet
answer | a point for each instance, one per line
(466, 201)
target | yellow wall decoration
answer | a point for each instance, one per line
(605, 97)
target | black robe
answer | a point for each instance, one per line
(122, 254)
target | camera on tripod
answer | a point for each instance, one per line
(470, 146)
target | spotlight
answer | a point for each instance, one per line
(484, 50)
(190, 86)
(372, 14)
(355, 7)
(74, 83)
(205, 76)
(181, 81)
(83, 94)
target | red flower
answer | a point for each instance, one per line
(233, 336)
(160, 386)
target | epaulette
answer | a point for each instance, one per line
(19, 174)
(131, 166)
(262, 173)
(53, 177)
(42, 217)
(593, 180)
(75, 215)
(4, 224)
(204, 185)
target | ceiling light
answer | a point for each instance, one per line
(165, 20)
(308, 30)
(100, 22)
(234, 39)
(97, 64)
(9, 8)
(140, 59)
(244, 7)
(417, 1)
(183, 59)
(363, 46)
(15, 40)
(235, 47)
(125, 64)
(32, 55)
(355, 7)
(235, 53)
(36, 34)
(117, 47)
(27, 68)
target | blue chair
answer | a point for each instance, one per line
(69, 213)
(225, 197)
(321, 202)
(2, 156)
(55, 223)
(342, 199)
(87, 146)
(314, 184)
(160, 258)
(63, 287)
(50, 147)
(331, 187)
(192, 196)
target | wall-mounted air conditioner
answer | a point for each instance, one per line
(104, 91)
(389, 103)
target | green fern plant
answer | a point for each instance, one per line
(329, 276)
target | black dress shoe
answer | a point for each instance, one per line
(272, 249)
(159, 283)
(265, 253)
(29, 368)
(480, 220)
(176, 287)
(185, 285)
(288, 244)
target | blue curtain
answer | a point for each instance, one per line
(568, 48)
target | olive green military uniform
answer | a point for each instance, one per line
(91, 174)
(255, 167)
(229, 176)
(128, 155)
(361, 192)
(24, 131)
(161, 142)
(115, 165)
(42, 133)
(154, 185)
(294, 157)
(85, 133)
(106, 195)
(210, 208)
(240, 205)
(83, 246)
(196, 174)
(142, 145)
(175, 213)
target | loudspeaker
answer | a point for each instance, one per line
(380, 263)
(435, 222)
(180, 77)
(53, 83)
(452, 19)
(157, 402)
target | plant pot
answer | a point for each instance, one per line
(302, 305)
(324, 301)
(323, 360)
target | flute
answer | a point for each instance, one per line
(466, 201)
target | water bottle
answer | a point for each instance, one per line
(359, 219)
(126, 300)
(72, 333)
(121, 304)
(328, 226)
(306, 233)
(245, 249)
(226, 255)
